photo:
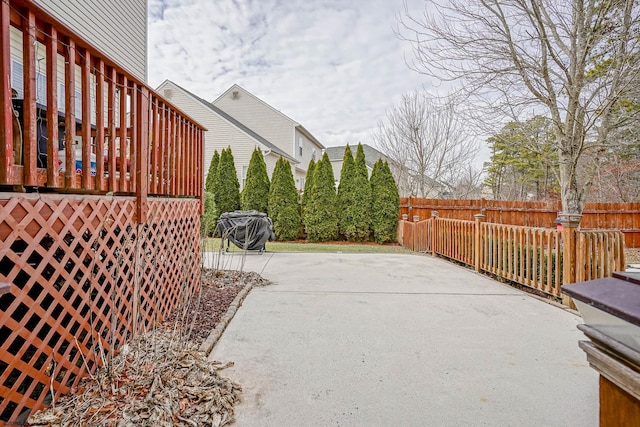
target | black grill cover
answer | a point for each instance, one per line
(246, 229)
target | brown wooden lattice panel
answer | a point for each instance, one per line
(77, 265)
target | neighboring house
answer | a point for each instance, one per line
(336, 155)
(244, 123)
(437, 190)
(282, 131)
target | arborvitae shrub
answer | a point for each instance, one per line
(210, 217)
(385, 203)
(227, 187)
(283, 202)
(321, 216)
(211, 173)
(355, 202)
(255, 194)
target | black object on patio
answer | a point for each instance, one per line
(248, 230)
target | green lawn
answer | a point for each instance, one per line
(213, 244)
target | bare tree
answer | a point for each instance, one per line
(574, 59)
(426, 140)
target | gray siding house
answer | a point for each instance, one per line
(336, 155)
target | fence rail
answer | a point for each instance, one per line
(539, 258)
(596, 216)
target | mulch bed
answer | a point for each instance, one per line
(160, 378)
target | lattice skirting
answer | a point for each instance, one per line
(84, 277)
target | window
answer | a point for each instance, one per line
(17, 78)
(244, 176)
(300, 146)
(17, 83)
(301, 184)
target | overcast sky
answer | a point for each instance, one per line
(334, 66)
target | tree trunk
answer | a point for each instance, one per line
(570, 193)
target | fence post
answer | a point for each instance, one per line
(570, 224)
(477, 241)
(434, 239)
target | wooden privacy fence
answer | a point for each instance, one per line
(540, 258)
(596, 216)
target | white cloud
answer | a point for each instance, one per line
(334, 66)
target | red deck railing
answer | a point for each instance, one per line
(124, 139)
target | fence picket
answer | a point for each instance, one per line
(530, 256)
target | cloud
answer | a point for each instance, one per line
(333, 66)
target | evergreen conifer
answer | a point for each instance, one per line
(322, 219)
(308, 184)
(255, 194)
(227, 187)
(211, 173)
(385, 203)
(283, 202)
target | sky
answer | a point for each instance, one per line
(334, 66)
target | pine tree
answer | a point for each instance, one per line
(308, 184)
(211, 173)
(322, 219)
(255, 194)
(283, 202)
(385, 203)
(227, 187)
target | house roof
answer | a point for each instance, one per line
(234, 122)
(297, 125)
(371, 155)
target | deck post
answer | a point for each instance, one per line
(142, 153)
(570, 224)
(6, 118)
(434, 239)
(477, 241)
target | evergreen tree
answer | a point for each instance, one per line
(346, 194)
(255, 194)
(308, 184)
(283, 202)
(210, 217)
(227, 187)
(211, 173)
(322, 219)
(385, 203)
(361, 206)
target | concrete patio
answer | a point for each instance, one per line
(401, 340)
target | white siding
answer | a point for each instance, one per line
(220, 134)
(259, 117)
(308, 148)
(117, 28)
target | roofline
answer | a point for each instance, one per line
(295, 123)
(235, 85)
(312, 138)
(241, 127)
